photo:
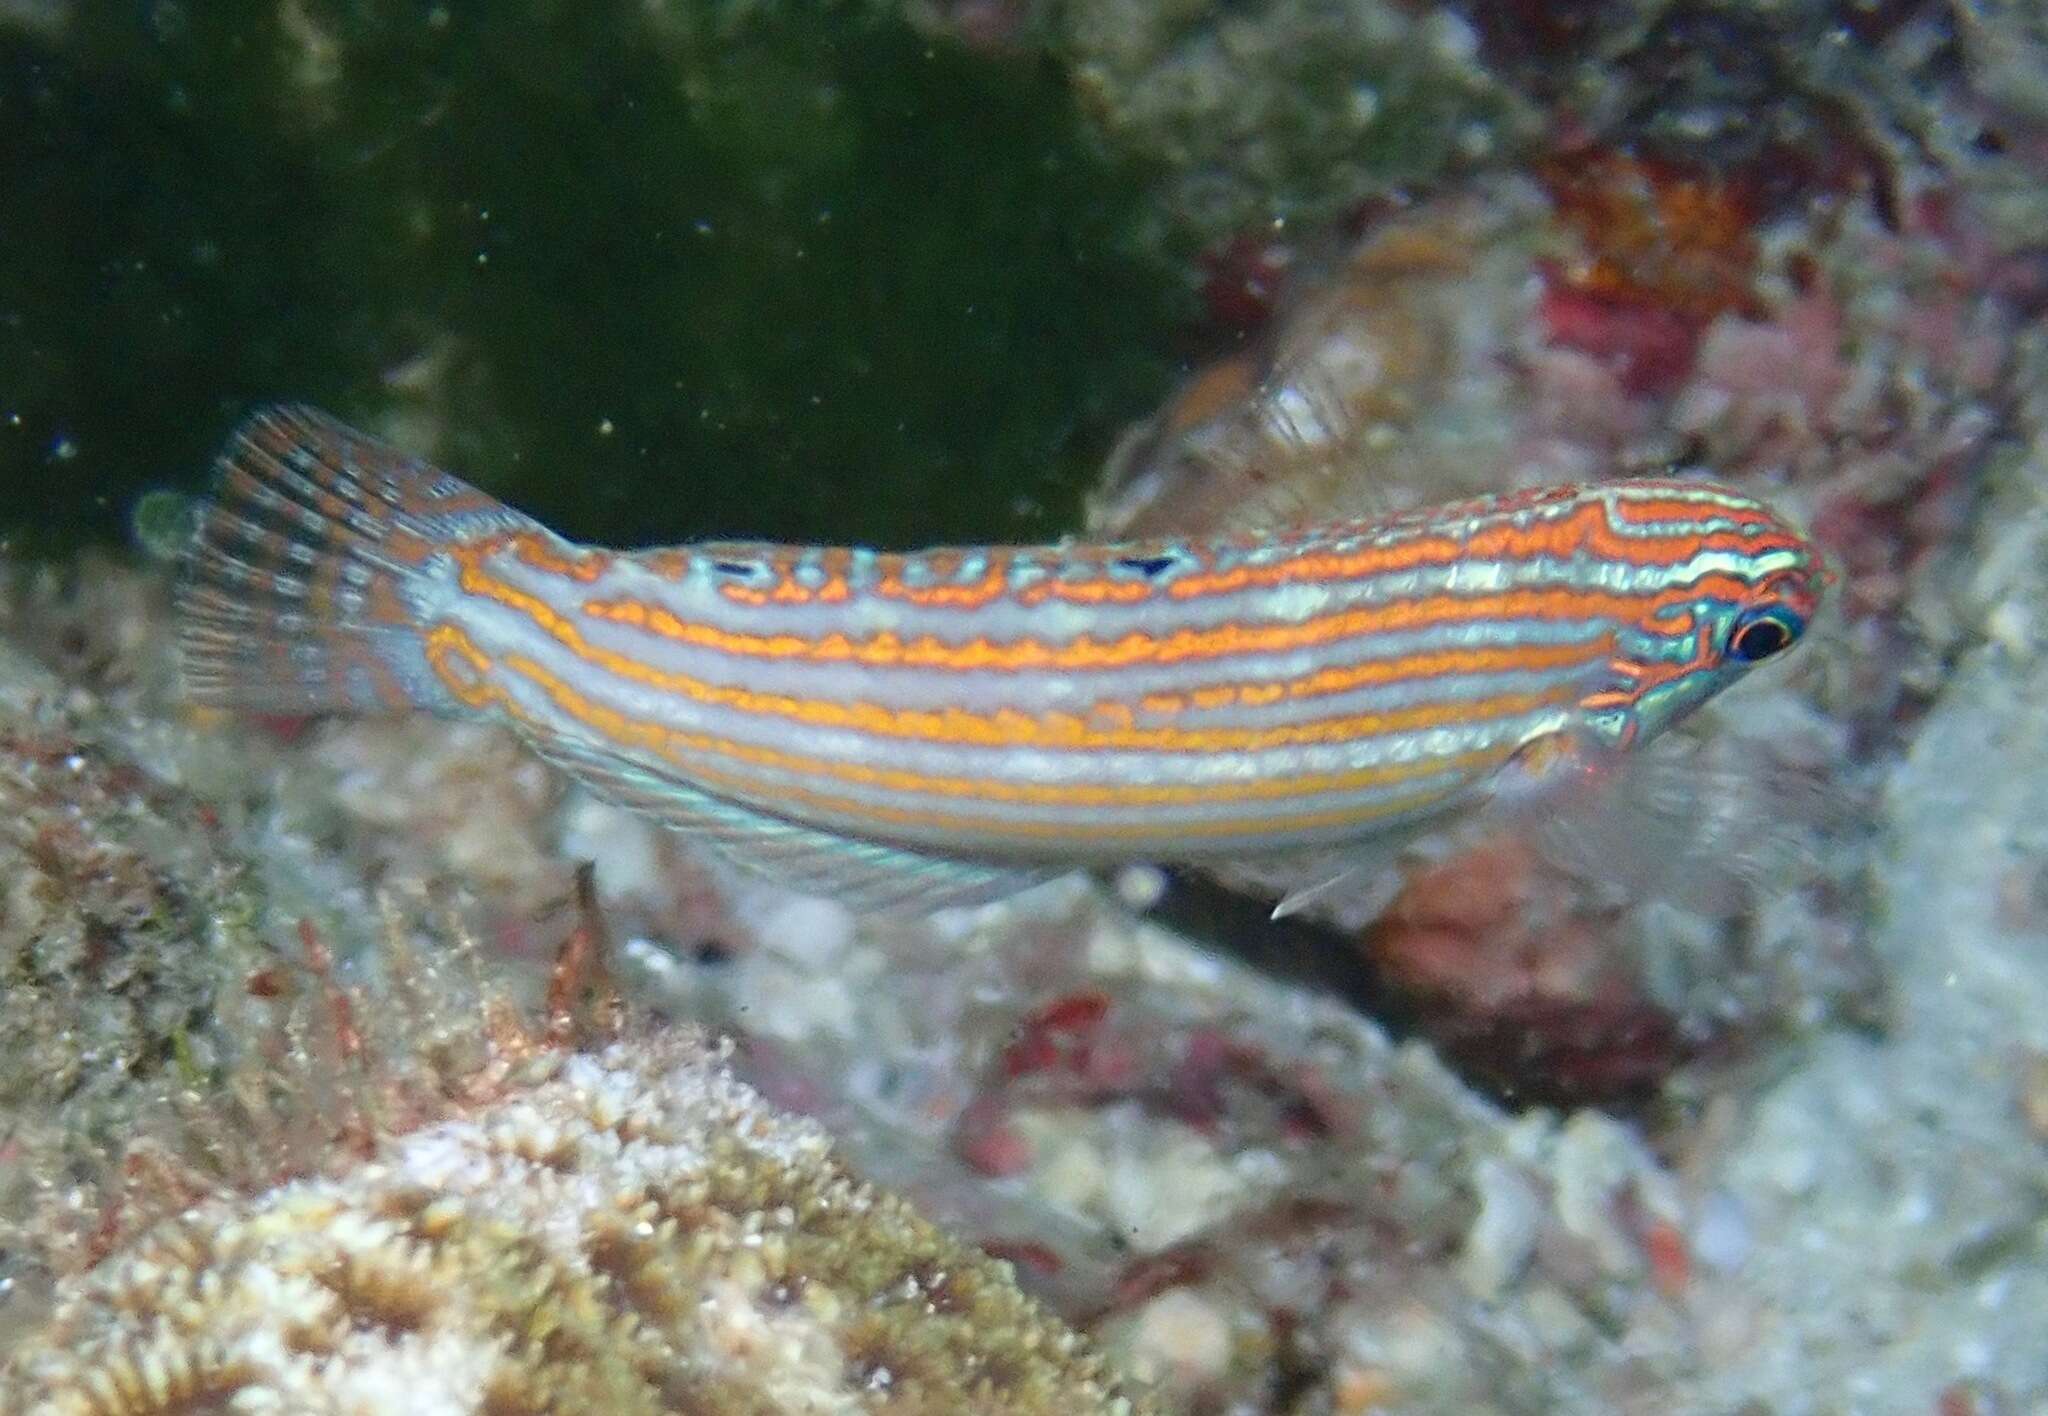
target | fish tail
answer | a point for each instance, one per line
(316, 567)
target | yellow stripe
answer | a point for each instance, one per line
(889, 650)
(627, 734)
(1005, 727)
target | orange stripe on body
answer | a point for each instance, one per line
(1530, 658)
(1645, 511)
(890, 650)
(626, 734)
(1086, 592)
(1004, 728)
(1586, 529)
(992, 586)
(833, 562)
(582, 565)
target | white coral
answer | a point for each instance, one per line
(633, 1230)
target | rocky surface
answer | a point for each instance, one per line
(1763, 1131)
(629, 1231)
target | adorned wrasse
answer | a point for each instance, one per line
(912, 730)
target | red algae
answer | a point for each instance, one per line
(1685, 242)
(1666, 253)
(1786, 1122)
(1242, 281)
(1515, 975)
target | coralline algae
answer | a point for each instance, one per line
(237, 1171)
(632, 1232)
(1240, 1186)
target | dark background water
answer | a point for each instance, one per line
(812, 275)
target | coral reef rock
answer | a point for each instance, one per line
(631, 1231)
(1287, 109)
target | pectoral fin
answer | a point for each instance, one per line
(1373, 882)
(1350, 885)
(1696, 820)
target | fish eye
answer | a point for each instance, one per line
(1763, 631)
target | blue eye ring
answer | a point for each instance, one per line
(1763, 630)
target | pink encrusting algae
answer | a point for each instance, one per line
(913, 730)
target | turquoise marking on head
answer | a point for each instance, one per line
(1663, 671)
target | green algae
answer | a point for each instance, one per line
(1270, 114)
(651, 272)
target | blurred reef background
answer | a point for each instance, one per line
(663, 268)
(360, 1066)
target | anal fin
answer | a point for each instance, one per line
(869, 877)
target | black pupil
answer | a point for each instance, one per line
(1759, 639)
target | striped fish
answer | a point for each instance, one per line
(911, 730)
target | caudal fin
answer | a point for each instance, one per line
(313, 569)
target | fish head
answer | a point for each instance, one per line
(1720, 585)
